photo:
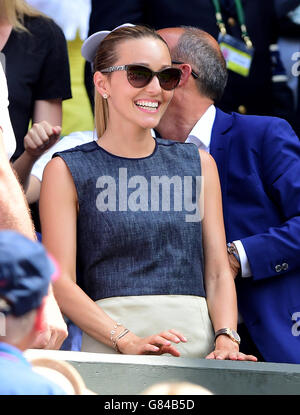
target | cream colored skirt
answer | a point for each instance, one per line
(151, 314)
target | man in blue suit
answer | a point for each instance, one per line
(258, 159)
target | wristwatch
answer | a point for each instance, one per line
(232, 250)
(230, 333)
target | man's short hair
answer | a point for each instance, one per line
(195, 48)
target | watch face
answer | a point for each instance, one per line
(235, 335)
(229, 332)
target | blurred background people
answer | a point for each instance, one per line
(9, 140)
(288, 13)
(35, 55)
(14, 214)
(37, 67)
(250, 94)
(176, 388)
(25, 274)
(72, 17)
(61, 373)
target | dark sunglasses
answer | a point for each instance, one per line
(139, 76)
(195, 75)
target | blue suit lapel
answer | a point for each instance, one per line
(219, 149)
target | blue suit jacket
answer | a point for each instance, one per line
(258, 159)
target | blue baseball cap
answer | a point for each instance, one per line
(26, 270)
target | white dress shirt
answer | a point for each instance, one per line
(9, 140)
(201, 136)
(74, 139)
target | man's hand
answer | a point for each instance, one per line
(55, 329)
(226, 349)
(40, 138)
(234, 265)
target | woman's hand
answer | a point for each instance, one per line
(226, 349)
(156, 344)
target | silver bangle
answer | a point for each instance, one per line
(115, 341)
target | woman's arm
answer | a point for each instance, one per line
(219, 283)
(58, 214)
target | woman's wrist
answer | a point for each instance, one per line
(117, 338)
(116, 334)
(124, 344)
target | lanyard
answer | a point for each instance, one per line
(241, 18)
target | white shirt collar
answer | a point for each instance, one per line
(201, 132)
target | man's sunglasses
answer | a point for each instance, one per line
(194, 74)
(139, 76)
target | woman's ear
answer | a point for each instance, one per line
(186, 70)
(101, 84)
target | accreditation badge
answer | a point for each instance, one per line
(238, 57)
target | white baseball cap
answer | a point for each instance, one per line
(90, 45)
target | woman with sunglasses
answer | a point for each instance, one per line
(111, 205)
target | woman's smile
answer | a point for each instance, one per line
(147, 105)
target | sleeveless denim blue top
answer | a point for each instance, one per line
(138, 232)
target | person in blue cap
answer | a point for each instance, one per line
(26, 271)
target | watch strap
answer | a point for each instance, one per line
(230, 333)
(231, 249)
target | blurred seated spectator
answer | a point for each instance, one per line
(34, 50)
(176, 388)
(36, 142)
(61, 373)
(72, 17)
(37, 67)
(25, 274)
